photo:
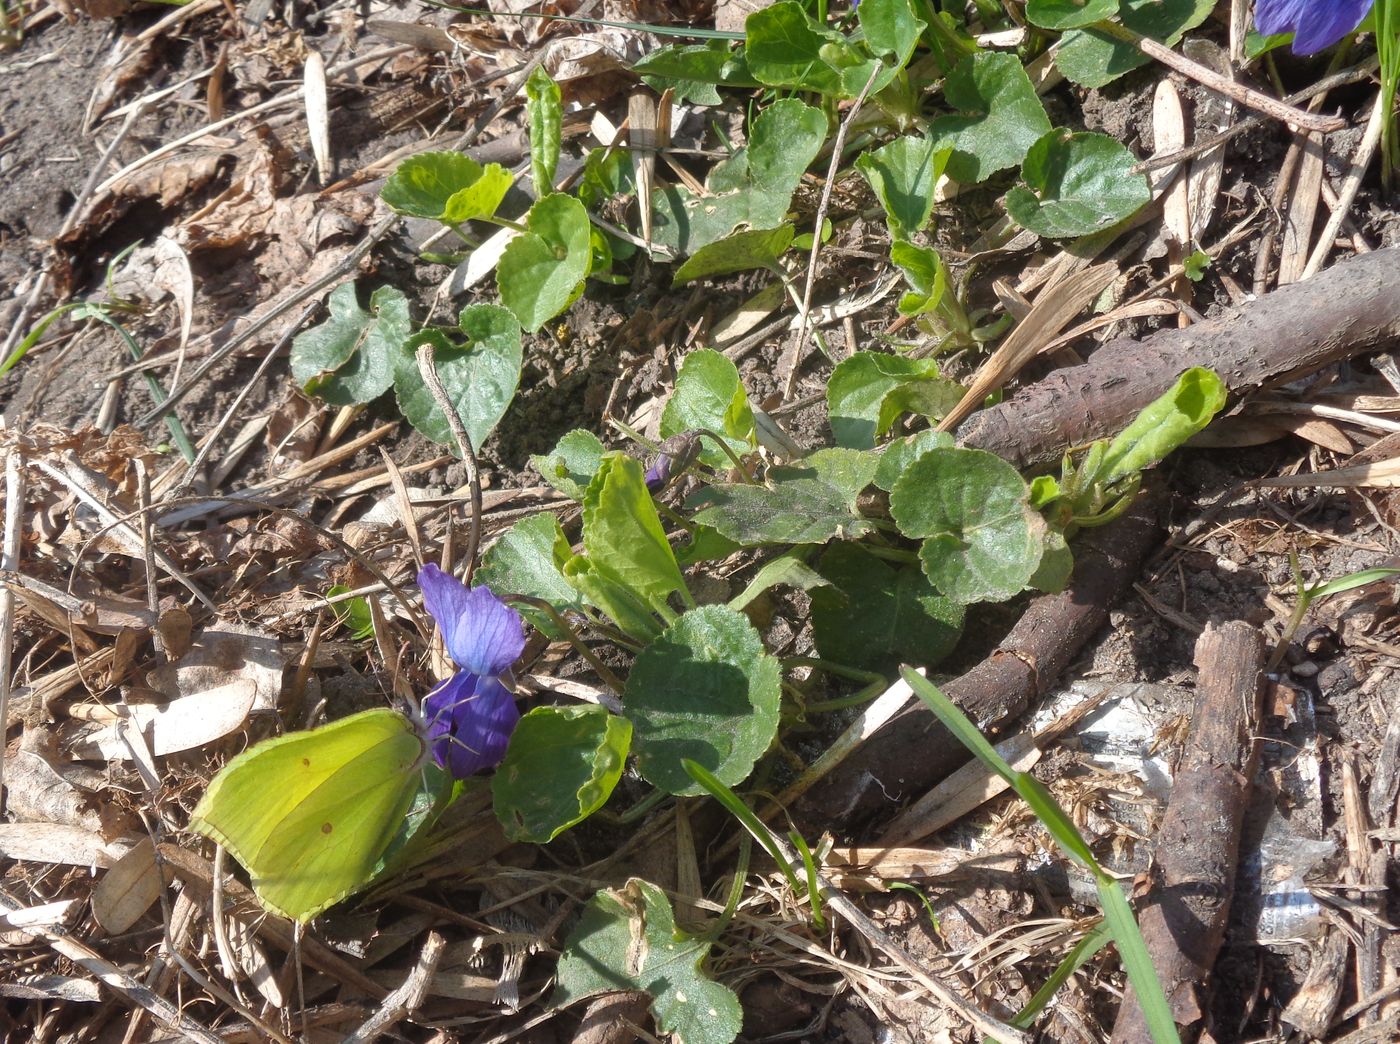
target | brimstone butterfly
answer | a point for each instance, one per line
(311, 814)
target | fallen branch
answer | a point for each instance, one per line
(914, 751)
(1351, 309)
(1193, 872)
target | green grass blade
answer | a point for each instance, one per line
(1084, 949)
(1132, 951)
(744, 815)
(1030, 789)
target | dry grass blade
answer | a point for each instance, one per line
(1053, 310)
(318, 119)
(407, 998)
(114, 977)
(9, 564)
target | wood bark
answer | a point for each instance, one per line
(913, 752)
(1350, 309)
(1191, 882)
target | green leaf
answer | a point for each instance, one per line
(1069, 14)
(1256, 44)
(1002, 118)
(903, 175)
(736, 252)
(1056, 564)
(900, 453)
(543, 113)
(521, 562)
(350, 358)
(982, 540)
(694, 71)
(1195, 265)
(1198, 395)
(561, 766)
(1092, 57)
(706, 545)
(783, 47)
(891, 30)
(806, 503)
(446, 186)
(709, 394)
(542, 271)
(1079, 183)
(618, 602)
(627, 940)
(705, 690)
(480, 374)
(923, 271)
(875, 617)
(869, 391)
(622, 534)
(753, 187)
(1350, 582)
(573, 462)
(787, 569)
(354, 613)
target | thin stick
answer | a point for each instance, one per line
(212, 438)
(1379, 112)
(9, 563)
(464, 443)
(831, 171)
(836, 899)
(1246, 96)
(1355, 74)
(114, 978)
(344, 268)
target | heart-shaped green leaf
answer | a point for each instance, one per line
(808, 502)
(351, 357)
(982, 540)
(542, 271)
(923, 271)
(874, 617)
(753, 187)
(560, 768)
(1003, 118)
(446, 186)
(479, 375)
(709, 394)
(903, 175)
(573, 462)
(1079, 183)
(628, 940)
(1092, 58)
(736, 252)
(869, 391)
(705, 690)
(521, 562)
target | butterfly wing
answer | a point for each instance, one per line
(310, 814)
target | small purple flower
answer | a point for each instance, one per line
(1315, 23)
(472, 714)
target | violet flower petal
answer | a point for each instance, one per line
(1316, 24)
(470, 719)
(483, 634)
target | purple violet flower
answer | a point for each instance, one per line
(472, 714)
(1315, 23)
